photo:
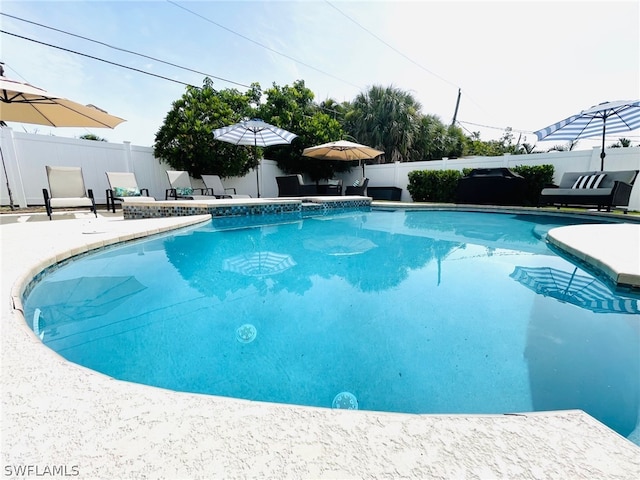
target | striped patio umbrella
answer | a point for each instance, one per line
(605, 118)
(256, 133)
(258, 264)
(583, 291)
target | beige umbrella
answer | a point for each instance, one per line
(24, 103)
(342, 150)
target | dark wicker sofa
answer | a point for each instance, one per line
(587, 189)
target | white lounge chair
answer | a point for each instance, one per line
(123, 187)
(214, 186)
(67, 190)
(181, 187)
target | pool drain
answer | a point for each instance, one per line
(246, 333)
(345, 401)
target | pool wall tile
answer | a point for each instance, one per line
(316, 206)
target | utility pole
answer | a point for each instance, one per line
(455, 114)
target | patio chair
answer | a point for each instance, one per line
(181, 187)
(67, 190)
(293, 186)
(123, 187)
(359, 187)
(214, 186)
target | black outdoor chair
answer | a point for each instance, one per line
(360, 189)
(293, 186)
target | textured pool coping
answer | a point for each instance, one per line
(613, 250)
(58, 414)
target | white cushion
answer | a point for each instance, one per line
(66, 182)
(71, 202)
(589, 181)
(136, 199)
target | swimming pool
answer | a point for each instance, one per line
(424, 312)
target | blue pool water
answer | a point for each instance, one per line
(402, 311)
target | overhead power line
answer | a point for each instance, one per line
(495, 128)
(125, 50)
(406, 56)
(97, 58)
(392, 47)
(262, 45)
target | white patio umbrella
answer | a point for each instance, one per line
(24, 103)
(608, 117)
(342, 150)
(254, 132)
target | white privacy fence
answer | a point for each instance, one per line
(25, 156)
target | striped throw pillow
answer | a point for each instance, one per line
(589, 181)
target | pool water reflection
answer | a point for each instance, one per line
(406, 311)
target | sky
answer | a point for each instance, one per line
(518, 64)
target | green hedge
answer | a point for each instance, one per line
(536, 178)
(441, 185)
(434, 185)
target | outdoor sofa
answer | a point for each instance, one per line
(591, 189)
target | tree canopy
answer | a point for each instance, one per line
(385, 118)
(185, 140)
(292, 108)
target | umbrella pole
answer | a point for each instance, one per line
(602, 154)
(255, 157)
(4, 166)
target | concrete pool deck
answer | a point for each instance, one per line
(56, 414)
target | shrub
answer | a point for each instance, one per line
(434, 185)
(536, 178)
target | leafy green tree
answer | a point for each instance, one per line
(292, 108)
(185, 140)
(494, 148)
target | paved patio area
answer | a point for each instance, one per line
(58, 414)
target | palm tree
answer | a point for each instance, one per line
(385, 118)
